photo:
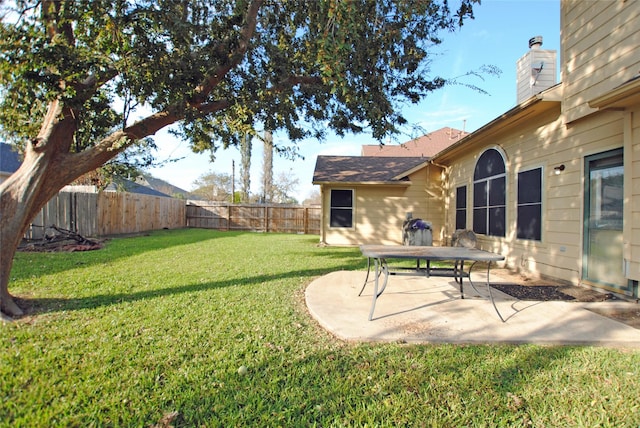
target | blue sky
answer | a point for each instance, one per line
(498, 36)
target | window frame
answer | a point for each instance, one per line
(539, 204)
(492, 203)
(461, 206)
(351, 209)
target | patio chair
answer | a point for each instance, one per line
(464, 238)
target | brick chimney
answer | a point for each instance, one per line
(536, 70)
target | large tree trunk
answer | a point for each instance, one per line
(18, 208)
(49, 164)
(47, 167)
(25, 192)
(38, 179)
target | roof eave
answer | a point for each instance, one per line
(404, 183)
(533, 106)
(620, 97)
(412, 170)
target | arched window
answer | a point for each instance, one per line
(489, 194)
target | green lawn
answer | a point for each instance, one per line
(152, 330)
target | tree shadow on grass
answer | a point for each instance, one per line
(37, 306)
(333, 387)
(32, 264)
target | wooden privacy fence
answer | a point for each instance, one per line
(260, 218)
(115, 213)
(108, 213)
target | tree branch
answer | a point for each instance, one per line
(50, 14)
(234, 58)
(213, 107)
(118, 141)
(86, 88)
(292, 81)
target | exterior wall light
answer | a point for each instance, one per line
(557, 170)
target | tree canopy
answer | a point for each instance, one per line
(225, 66)
(213, 186)
(83, 80)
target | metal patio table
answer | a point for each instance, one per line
(459, 255)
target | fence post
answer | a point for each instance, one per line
(73, 212)
(266, 218)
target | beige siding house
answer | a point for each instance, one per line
(553, 184)
(365, 200)
(565, 203)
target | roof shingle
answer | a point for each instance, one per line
(363, 169)
(427, 145)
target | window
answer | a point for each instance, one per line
(489, 194)
(461, 207)
(529, 223)
(341, 214)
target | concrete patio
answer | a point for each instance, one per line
(429, 310)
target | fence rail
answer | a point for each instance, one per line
(259, 218)
(114, 213)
